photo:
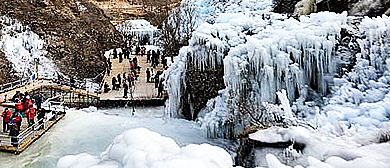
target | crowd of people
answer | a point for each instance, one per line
(24, 108)
(127, 79)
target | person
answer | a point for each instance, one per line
(160, 88)
(108, 71)
(119, 79)
(137, 50)
(115, 53)
(153, 59)
(72, 82)
(164, 61)
(147, 75)
(27, 105)
(156, 80)
(148, 57)
(120, 57)
(15, 128)
(113, 82)
(158, 54)
(18, 107)
(126, 53)
(40, 116)
(152, 75)
(30, 116)
(117, 85)
(106, 87)
(131, 79)
(125, 87)
(38, 100)
(110, 64)
(6, 116)
(132, 65)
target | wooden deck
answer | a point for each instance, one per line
(143, 91)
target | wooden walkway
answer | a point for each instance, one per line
(143, 91)
(29, 137)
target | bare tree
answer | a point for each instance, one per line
(188, 17)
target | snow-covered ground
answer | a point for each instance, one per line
(23, 48)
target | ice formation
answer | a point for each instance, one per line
(143, 148)
(140, 29)
(334, 68)
(333, 151)
(22, 48)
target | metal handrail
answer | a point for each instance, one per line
(12, 85)
(30, 131)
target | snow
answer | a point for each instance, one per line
(143, 148)
(333, 151)
(22, 47)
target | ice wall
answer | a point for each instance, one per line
(22, 47)
(264, 53)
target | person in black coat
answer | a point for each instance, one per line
(147, 75)
(113, 83)
(125, 87)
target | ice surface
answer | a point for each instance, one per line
(143, 148)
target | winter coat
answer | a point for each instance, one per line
(19, 107)
(31, 113)
(6, 115)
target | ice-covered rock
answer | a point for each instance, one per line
(24, 49)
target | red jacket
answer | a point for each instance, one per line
(6, 116)
(19, 106)
(31, 113)
(27, 104)
(9, 114)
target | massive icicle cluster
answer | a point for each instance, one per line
(335, 69)
(141, 29)
(21, 47)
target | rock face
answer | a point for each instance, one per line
(200, 87)
(6, 69)
(75, 32)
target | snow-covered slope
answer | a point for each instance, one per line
(24, 49)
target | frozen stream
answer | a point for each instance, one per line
(90, 131)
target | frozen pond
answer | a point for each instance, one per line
(91, 131)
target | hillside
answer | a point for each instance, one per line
(75, 33)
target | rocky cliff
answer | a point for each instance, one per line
(6, 70)
(76, 33)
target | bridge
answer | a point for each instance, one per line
(65, 92)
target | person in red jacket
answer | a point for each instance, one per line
(30, 116)
(27, 105)
(6, 115)
(18, 107)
